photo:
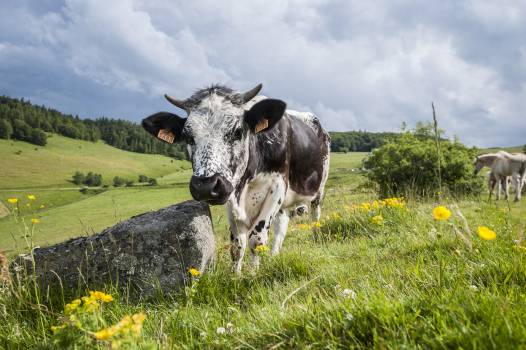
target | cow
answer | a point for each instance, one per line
(253, 155)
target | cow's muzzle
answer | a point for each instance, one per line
(214, 189)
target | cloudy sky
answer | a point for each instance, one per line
(365, 64)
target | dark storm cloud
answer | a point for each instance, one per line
(358, 64)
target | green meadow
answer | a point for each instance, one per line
(368, 275)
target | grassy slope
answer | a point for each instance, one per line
(416, 283)
(54, 164)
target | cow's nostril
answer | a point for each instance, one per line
(216, 189)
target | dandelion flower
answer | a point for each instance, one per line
(261, 248)
(31, 197)
(35, 221)
(441, 213)
(12, 200)
(316, 224)
(486, 234)
(42, 206)
(194, 272)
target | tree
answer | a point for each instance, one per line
(78, 178)
(5, 129)
(129, 183)
(524, 149)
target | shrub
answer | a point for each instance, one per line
(93, 179)
(409, 167)
(78, 178)
(118, 181)
(143, 178)
(152, 182)
(129, 183)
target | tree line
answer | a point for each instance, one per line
(21, 120)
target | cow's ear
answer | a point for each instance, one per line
(165, 126)
(264, 114)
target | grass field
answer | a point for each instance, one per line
(408, 282)
(28, 166)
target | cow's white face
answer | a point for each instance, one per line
(217, 139)
(217, 133)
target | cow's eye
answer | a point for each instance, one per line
(238, 134)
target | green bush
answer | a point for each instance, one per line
(118, 181)
(5, 129)
(409, 167)
(78, 178)
(93, 179)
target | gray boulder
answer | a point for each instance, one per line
(142, 254)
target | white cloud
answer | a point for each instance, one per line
(357, 64)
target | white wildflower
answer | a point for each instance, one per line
(348, 293)
(220, 330)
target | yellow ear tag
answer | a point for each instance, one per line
(166, 135)
(261, 125)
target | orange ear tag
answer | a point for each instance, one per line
(166, 135)
(261, 125)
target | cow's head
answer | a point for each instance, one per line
(217, 132)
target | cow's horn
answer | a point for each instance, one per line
(250, 94)
(177, 103)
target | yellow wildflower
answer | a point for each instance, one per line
(12, 200)
(194, 272)
(35, 221)
(316, 224)
(69, 308)
(377, 220)
(55, 329)
(105, 334)
(42, 206)
(395, 202)
(486, 234)
(138, 320)
(441, 213)
(304, 227)
(31, 197)
(261, 248)
(365, 206)
(106, 298)
(90, 303)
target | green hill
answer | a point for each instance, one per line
(25, 165)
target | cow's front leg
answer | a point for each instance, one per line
(238, 245)
(258, 233)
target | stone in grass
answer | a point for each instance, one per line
(146, 253)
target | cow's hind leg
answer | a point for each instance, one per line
(281, 223)
(315, 213)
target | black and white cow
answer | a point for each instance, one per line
(253, 155)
